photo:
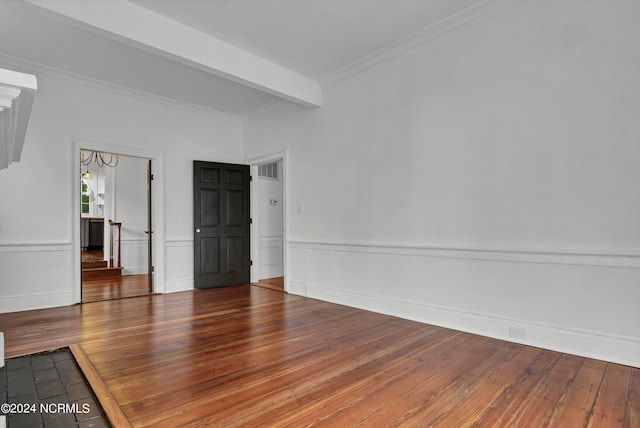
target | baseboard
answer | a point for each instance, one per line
(135, 270)
(296, 288)
(28, 302)
(176, 285)
(621, 350)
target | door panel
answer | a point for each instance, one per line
(210, 208)
(235, 208)
(235, 250)
(222, 224)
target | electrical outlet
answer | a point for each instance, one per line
(517, 332)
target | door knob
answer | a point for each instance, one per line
(198, 230)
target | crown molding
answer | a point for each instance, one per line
(34, 67)
(414, 40)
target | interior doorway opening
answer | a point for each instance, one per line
(269, 212)
(116, 229)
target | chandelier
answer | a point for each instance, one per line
(99, 158)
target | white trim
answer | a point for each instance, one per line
(178, 285)
(35, 67)
(414, 40)
(255, 272)
(134, 240)
(565, 257)
(26, 302)
(614, 348)
(255, 224)
(35, 247)
(134, 270)
(157, 198)
(184, 242)
(271, 238)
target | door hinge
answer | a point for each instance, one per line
(153, 269)
(250, 221)
(150, 176)
(250, 262)
(251, 178)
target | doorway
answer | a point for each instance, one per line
(222, 224)
(269, 208)
(115, 227)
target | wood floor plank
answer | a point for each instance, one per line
(118, 287)
(548, 393)
(611, 402)
(450, 410)
(580, 398)
(329, 393)
(233, 399)
(107, 401)
(388, 385)
(632, 417)
(515, 397)
(251, 356)
(475, 399)
(408, 404)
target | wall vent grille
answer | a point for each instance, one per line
(268, 170)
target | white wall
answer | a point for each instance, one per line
(485, 180)
(131, 211)
(270, 239)
(36, 216)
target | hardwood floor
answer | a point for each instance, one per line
(250, 356)
(276, 284)
(114, 288)
(100, 287)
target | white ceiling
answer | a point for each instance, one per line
(310, 37)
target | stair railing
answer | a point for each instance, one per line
(114, 241)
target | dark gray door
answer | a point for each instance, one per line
(222, 253)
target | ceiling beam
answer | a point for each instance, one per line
(17, 91)
(142, 28)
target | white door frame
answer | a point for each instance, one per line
(254, 162)
(157, 192)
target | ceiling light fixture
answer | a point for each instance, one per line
(99, 158)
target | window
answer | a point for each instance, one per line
(86, 198)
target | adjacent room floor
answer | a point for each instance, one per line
(251, 356)
(101, 282)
